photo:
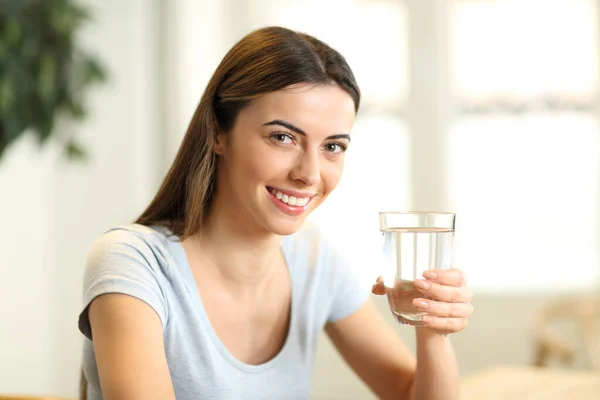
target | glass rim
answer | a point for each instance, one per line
(416, 213)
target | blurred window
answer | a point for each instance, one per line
(524, 145)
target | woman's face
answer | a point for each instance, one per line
(284, 156)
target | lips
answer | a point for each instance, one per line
(290, 202)
(290, 199)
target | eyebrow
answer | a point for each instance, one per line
(301, 132)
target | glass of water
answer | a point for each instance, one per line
(413, 243)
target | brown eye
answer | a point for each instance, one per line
(335, 148)
(282, 138)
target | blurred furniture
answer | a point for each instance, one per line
(582, 310)
(82, 391)
(15, 397)
(531, 383)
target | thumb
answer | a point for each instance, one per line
(378, 287)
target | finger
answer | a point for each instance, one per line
(443, 309)
(450, 277)
(450, 294)
(379, 287)
(445, 325)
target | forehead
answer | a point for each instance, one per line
(325, 109)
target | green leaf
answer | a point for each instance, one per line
(12, 32)
(74, 151)
(77, 111)
(93, 71)
(43, 73)
(3, 52)
(47, 77)
(3, 140)
(7, 97)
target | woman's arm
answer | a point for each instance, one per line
(375, 352)
(378, 356)
(436, 376)
(449, 303)
(129, 348)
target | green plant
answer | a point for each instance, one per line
(43, 75)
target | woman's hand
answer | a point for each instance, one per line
(445, 297)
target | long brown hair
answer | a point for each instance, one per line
(264, 61)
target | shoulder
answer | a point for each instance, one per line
(132, 245)
(131, 260)
(315, 248)
(331, 267)
(132, 238)
(132, 233)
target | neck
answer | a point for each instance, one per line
(237, 250)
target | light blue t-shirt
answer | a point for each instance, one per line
(151, 265)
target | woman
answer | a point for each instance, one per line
(219, 291)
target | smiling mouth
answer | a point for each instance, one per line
(289, 200)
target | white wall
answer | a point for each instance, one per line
(26, 312)
(195, 34)
(52, 211)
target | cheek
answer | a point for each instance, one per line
(331, 175)
(258, 165)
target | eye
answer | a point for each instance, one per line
(283, 138)
(335, 147)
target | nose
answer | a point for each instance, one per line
(307, 168)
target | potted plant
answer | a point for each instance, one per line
(43, 74)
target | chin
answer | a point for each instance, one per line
(283, 222)
(285, 228)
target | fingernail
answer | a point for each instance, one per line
(426, 319)
(430, 274)
(421, 304)
(423, 284)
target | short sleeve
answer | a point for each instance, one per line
(350, 291)
(121, 261)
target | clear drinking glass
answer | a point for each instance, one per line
(413, 243)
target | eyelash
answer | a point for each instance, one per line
(342, 146)
(276, 134)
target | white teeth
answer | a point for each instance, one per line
(291, 200)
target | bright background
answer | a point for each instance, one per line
(486, 108)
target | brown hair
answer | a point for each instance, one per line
(264, 61)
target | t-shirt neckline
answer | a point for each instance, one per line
(216, 341)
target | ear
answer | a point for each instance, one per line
(220, 144)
